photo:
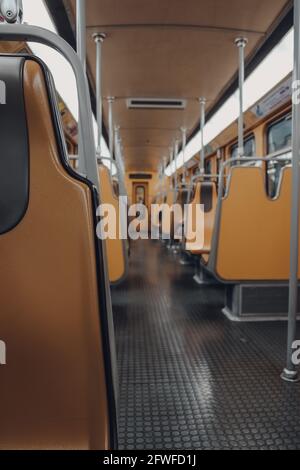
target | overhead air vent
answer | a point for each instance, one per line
(140, 176)
(155, 103)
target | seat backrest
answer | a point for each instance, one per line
(252, 234)
(56, 388)
(115, 247)
(206, 195)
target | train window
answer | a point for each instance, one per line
(208, 166)
(249, 148)
(279, 137)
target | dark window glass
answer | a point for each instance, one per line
(249, 148)
(279, 137)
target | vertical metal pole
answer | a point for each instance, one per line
(117, 147)
(176, 146)
(81, 51)
(202, 102)
(165, 163)
(241, 44)
(111, 127)
(81, 31)
(119, 161)
(290, 373)
(183, 132)
(123, 201)
(99, 38)
(171, 165)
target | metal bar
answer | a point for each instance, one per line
(81, 51)
(111, 125)
(231, 161)
(290, 373)
(200, 177)
(174, 166)
(123, 196)
(183, 132)
(81, 31)
(171, 164)
(241, 44)
(43, 36)
(99, 38)
(202, 125)
(176, 147)
(280, 153)
(119, 162)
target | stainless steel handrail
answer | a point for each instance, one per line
(204, 176)
(43, 36)
(240, 161)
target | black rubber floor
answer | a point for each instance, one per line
(189, 378)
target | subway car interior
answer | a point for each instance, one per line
(149, 225)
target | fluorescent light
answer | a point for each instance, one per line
(36, 13)
(274, 68)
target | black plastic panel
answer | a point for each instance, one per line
(273, 300)
(14, 153)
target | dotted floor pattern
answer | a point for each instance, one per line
(189, 378)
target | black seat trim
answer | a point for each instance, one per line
(14, 151)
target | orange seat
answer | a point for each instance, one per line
(206, 195)
(56, 389)
(252, 233)
(115, 247)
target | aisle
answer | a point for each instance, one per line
(189, 378)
